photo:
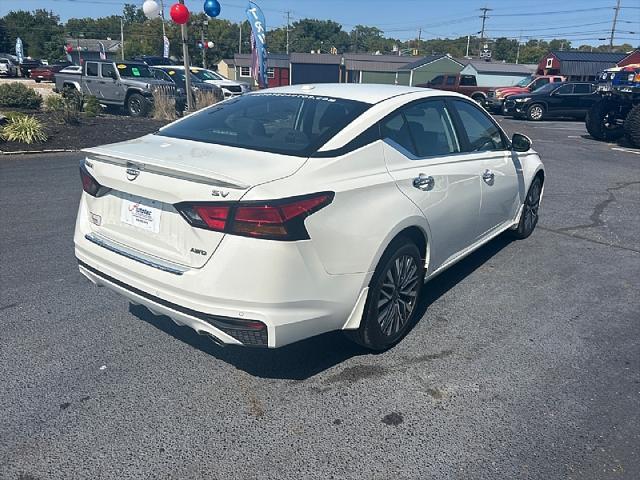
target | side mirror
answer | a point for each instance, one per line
(520, 143)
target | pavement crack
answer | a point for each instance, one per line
(598, 210)
(587, 239)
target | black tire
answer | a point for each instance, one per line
(397, 281)
(479, 99)
(601, 121)
(632, 126)
(37, 80)
(530, 210)
(535, 112)
(137, 105)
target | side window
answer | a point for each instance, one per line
(582, 88)
(482, 133)
(431, 129)
(468, 81)
(564, 90)
(451, 81)
(397, 130)
(92, 69)
(539, 83)
(437, 80)
(107, 70)
(557, 79)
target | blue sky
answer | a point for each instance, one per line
(582, 21)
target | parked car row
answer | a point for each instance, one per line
(131, 85)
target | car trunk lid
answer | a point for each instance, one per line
(149, 175)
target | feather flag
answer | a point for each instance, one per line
(258, 44)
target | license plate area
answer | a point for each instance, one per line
(141, 213)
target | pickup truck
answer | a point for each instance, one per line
(497, 96)
(125, 84)
(464, 84)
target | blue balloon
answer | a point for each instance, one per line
(212, 8)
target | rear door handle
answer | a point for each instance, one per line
(423, 182)
(488, 176)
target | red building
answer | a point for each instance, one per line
(631, 59)
(578, 65)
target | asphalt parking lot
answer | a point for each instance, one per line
(525, 365)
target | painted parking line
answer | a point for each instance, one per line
(618, 149)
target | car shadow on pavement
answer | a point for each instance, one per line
(304, 359)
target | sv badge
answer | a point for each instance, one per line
(219, 193)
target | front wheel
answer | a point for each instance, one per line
(393, 294)
(535, 112)
(602, 121)
(137, 105)
(529, 216)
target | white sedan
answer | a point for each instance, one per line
(289, 212)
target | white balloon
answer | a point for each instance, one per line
(151, 9)
(210, 44)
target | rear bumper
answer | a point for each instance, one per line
(247, 283)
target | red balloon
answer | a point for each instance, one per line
(179, 13)
(69, 48)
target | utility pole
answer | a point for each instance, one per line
(468, 41)
(419, 39)
(122, 37)
(240, 40)
(185, 61)
(615, 20)
(204, 47)
(288, 21)
(484, 17)
(518, 52)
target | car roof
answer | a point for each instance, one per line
(368, 93)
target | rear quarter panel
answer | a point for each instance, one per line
(368, 210)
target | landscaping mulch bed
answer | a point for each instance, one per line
(91, 131)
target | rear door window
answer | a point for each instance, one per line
(564, 90)
(431, 129)
(468, 81)
(396, 129)
(481, 133)
(582, 88)
(92, 69)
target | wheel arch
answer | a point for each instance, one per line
(479, 93)
(416, 230)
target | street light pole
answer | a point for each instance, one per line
(185, 58)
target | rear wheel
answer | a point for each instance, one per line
(535, 112)
(529, 217)
(393, 295)
(479, 99)
(602, 121)
(137, 105)
(632, 126)
(37, 80)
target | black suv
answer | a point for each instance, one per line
(568, 99)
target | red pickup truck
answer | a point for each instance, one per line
(497, 96)
(464, 84)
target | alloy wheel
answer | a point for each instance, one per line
(531, 206)
(135, 106)
(536, 112)
(398, 295)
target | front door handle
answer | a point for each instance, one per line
(424, 182)
(488, 176)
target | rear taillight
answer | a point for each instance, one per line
(90, 184)
(272, 219)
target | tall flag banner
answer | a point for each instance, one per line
(19, 50)
(165, 50)
(103, 52)
(258, 44)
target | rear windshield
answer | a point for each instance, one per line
(271, 122)
(207, 75)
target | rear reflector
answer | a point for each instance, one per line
(272, 220)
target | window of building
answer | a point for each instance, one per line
(550, 62)
(245, 71)
(271, 72)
